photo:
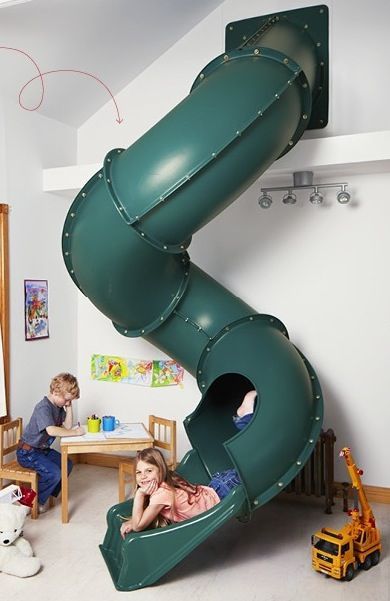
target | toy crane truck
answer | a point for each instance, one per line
(338, 553)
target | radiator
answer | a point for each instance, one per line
(317, 476)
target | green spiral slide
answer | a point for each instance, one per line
(124, 244)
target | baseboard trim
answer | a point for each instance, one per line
(375, 494)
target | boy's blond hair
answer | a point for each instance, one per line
(65, 383)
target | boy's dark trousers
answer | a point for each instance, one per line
(47, 463)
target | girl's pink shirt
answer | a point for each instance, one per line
(180, 506)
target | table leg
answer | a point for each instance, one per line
(64, 484)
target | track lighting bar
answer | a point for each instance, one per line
(303, 180)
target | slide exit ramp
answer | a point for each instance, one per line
(143, 557)
(125, 243)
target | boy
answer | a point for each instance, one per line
(51, 417)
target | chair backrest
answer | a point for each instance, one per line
(10, 434)
(164, 434)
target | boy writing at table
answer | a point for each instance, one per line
(52, 417)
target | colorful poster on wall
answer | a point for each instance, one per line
(167, 373)
(117, 369)
(36, 315)
(141, 372)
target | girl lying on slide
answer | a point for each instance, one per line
(163, 497)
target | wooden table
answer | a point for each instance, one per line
(73, 445)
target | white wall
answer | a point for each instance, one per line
(322, 271)
(35, 225)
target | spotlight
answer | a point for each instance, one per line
(265, 201)
(343, 197)
(289, 198)
(303, 180)
(316, 197)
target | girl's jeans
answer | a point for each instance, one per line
(47, 463)
(224, 482)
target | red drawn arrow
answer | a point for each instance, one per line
(119, 118)
(40, 76)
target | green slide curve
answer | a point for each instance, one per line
(125, 243)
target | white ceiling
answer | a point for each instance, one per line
(114, 40)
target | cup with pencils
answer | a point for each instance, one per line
(93, 423)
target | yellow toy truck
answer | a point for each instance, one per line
(338, 553)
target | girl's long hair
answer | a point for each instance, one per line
(170, 477)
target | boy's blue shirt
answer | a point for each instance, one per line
(45, 414)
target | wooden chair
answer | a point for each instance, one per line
(10, 434)
(164, 436)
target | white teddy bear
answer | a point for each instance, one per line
(16, 554)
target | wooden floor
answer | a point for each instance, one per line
(265, 560)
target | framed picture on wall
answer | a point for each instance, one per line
(36, 314)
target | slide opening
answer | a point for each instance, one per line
(212, 422)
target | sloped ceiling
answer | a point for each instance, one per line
(111, 40)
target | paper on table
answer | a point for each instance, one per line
(87, 437)
(127, 431)
(122, 431)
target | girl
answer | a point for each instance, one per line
(162, 496)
